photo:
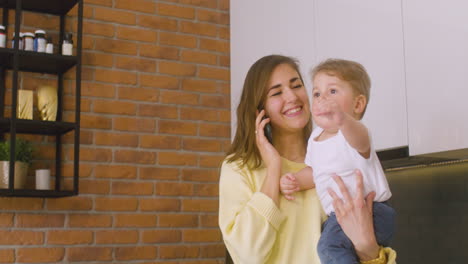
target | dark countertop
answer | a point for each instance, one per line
(432, 159)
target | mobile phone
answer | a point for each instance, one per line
(267, 131)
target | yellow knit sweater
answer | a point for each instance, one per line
(255, 230)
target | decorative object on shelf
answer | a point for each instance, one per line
(40, 41)
(25, 104)
(49, 46)
(20, 41)
(47, 102)
(23, 156)
(43, 179)
(21, 170)
(2, 37)
(28, 39)
(67, 46)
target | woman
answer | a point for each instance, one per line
(258, 224)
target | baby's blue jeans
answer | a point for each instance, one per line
(335, 247)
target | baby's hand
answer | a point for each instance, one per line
(289, 185)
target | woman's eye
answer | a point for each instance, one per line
(298, 86)
(275, 94)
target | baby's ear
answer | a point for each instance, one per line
(360, 103)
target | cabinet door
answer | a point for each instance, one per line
(264, 27)
(370, 32)
(436, 50)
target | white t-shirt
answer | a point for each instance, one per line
(335, 155)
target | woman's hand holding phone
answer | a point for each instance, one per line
(270, 157)
(269, 154)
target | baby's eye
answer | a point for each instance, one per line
(333, 91)
(316, 94)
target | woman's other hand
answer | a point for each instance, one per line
(354, 215)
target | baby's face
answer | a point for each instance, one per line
(331, 94)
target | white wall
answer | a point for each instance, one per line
(264, 27)
(370, 32)
(436, 51)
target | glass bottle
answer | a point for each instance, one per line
(28, 41)
(67, 45)
(2, 37)
(39, 41)
(49, 46)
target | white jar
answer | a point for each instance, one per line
(49, 46)
(28, 39)
(43, 179)
(67, 45)
(39, 40)
(2, 37)
(20, 46)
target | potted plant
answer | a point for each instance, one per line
(23, 150)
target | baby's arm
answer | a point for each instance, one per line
(294, 182)
(356, 134)
(304, 179)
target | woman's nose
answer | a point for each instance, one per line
(289, 94)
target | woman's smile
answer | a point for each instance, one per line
(292, 112)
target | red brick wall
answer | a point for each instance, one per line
(155, 125)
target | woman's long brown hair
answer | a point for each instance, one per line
(244, 147)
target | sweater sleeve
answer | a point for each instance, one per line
(391, 255)
(386, 256)
(249, 220)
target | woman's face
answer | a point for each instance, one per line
(287, 103)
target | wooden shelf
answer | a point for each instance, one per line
(55, 7)
(24, 126)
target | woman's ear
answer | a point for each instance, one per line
(360, 103)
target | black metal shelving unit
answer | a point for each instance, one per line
(27, 61)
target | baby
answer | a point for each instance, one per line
(340, 144)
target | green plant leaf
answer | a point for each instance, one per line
(23, 150)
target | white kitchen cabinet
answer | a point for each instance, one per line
(436, 51)
(370, 32)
